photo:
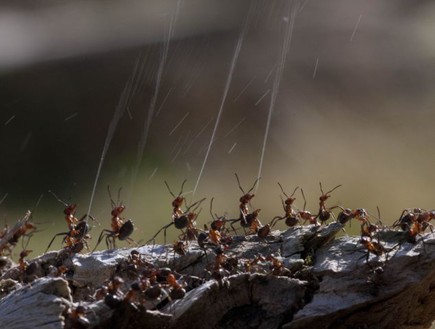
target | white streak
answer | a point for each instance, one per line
(235, 127)
(227, 87)
(315, 67)
(261, 98)
(179, 123)
(244, 89)
(276, 83)
(9, 120)
(355, 28)
(232, 148)
(71, 116)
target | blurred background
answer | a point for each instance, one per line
(296, 92)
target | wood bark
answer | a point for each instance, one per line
(324, 282)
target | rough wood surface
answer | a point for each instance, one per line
(325, 282)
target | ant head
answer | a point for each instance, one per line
(360, 213)
(116, 211)
(25, 253)
(29, 226)
(289, 201)
(178, 202)
(70, 209)
(246, 198)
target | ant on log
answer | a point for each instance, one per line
(121, 229)
(246, 219)
(290, 215)
(325, 213)
(181, 219)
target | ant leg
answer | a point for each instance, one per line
(100, 238)
(163, 228)
(232, 223)
(51, 242)
(275, 220)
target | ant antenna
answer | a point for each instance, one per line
(182, 186)
(282, 190)
(119, 196)
(169, 189)
(112, 203)
(211, 208)
(240, 186)
(321, 190)
(303, 196)
(58, 199)
(181, 191)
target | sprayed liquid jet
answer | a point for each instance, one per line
(244, 89)
(227, 87)
(124, 101)
(355, 28)
(315, 67)
(149, 117)
(276, 82)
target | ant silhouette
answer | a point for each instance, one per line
(121, 229)
(305, 214)
(246, 219)
(290, 215)
(325, 213)
(180, 219)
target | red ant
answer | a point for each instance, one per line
(325, 213)
(181, 220)
(119, 228)
(305, 214)
(290, 215)
(76, 318)
(22, 264)
(178, 200)
(246, 197)
(70, 212)
(347, 214)
(246, 219)
(22, 228)
(75, 238)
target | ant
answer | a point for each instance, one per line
(289, 213)
(75, 239)
(347, 214)
(325, 213)
(178, 200)
(70, 212)
(119, 229)
(246, 197)
(181, 220)
(24, 227)
(76, 318)
(22, 264)
(305, 214)
(246, 219)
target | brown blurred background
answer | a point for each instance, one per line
(355, 106)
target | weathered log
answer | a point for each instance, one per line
(322, 282)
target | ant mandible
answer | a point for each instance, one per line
(119, 228)
(325, 213)
(289, 213)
